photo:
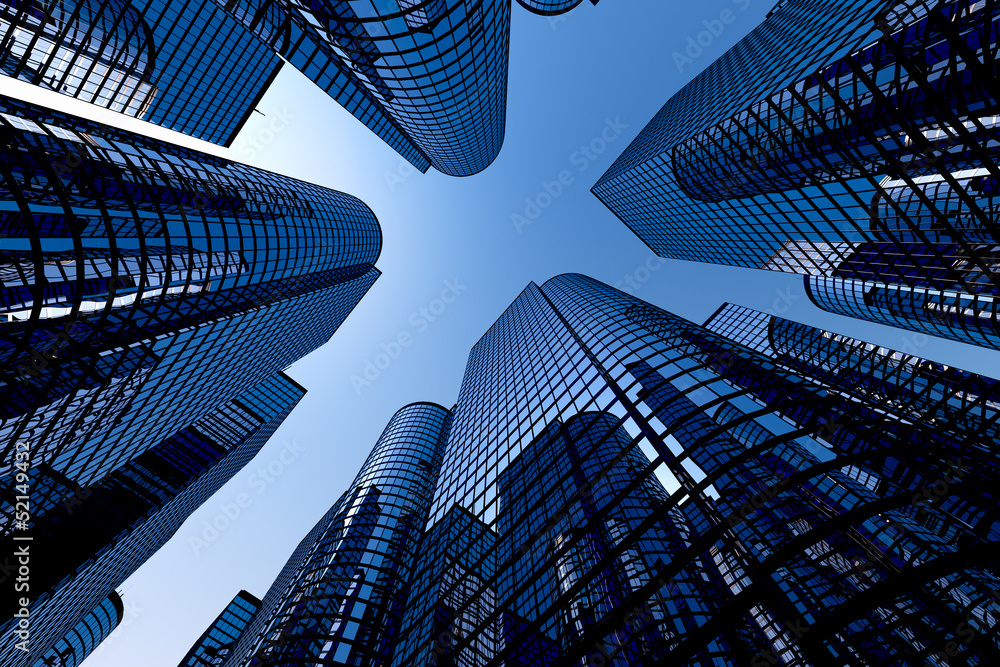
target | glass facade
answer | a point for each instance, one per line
(99, 533)
(132, 267)
(846, 143)
(429, 77)
(551, 7)
(214, 647)
(71, 650)
(620, 486)
(345, 602)
(183, 64)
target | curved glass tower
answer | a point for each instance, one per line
(624, 487)
(346, 601)
(428, 76)
(550, 7)
(142, 285)
(73, 649)
(853, 144)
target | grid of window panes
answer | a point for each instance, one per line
(967, 318)
(131, 265)
(345, 606)
(754, 521)
(71, 650)
(429, 77)
(853, 141)
(214, 647)
(907, 386)
(183, 64)
(550, 7)
(112, 558)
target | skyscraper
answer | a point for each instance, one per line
(183, 64)
(144, 285)
(344, 603)
(71, 650)
(84, 545)
(848, 143)
(620, 486)
(551, 7)
(213, 647)
(429, 78)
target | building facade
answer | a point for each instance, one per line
(214, 647)
(850, 144)
(73, 649)
(551, 7)
(144, 285)
(429, 77)
(621, 486)
(183, 64)
(345, 601)
(97, 534)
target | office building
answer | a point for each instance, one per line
(849, 143)
(551, 7)
(98, 534)
(73, 649)
(213, 647)
(620, 486)
(144, 285)
(345, 602)
(428, 77)
(182, 64)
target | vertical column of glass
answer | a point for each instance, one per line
(346, 606)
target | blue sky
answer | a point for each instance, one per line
(591, 79)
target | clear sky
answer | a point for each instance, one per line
(597, 72)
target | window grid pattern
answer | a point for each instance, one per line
(429, 77)
(213, 647)
(346, 601)
(106, 530)
(871, 157)
(132, 264)
(73, 649)
(183, 64)
(621, 486)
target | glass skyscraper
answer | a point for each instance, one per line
(429, 77)
(87, 538)
(183, 64)
(851, 143)
(342, 596)
(213, 647)
(144, 285)
(551, 7)
(620, 486)
(71, 650)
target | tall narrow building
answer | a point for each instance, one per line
(623, 487)
(86, 543)
(344, 599)
(215, 646)
(144, 284)
(80, 642)
(428, 77)
(183, 64)
(852, 144)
